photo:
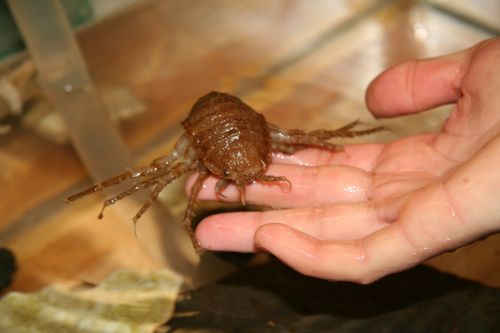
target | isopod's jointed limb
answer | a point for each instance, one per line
(191, 206)
(136, 187)
(220, 186)
(346, 131)
(163, 169)
(283, 182)
(290, 141)
(158, 165)
(138, 173)
(161, 181)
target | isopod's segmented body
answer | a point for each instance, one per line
(230, 138)
(226, 138)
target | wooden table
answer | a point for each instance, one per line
(302, 65)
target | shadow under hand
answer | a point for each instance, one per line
(274, 298)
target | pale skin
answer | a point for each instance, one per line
(375, 209)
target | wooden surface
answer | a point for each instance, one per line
(301, 65)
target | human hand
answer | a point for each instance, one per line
(375, 209)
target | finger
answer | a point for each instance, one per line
(311, 187)
(417, 85)
(427, 227)
(361, 261)
(362, 156)
(235, 231)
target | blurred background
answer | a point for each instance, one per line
(302, 64)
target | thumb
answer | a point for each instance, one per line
(417, 85)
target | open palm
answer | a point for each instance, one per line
(379, 208)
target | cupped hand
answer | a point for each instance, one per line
(375, 209)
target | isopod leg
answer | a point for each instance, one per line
(290, 141)
(130, 191)
(166, 177)
(220, 186)
(243, 199)
(150, 170)
(161, 181)
(158, 165)
(191, 207)
(152, 197)
(325, 134)
(277, 179)
(293, 146)
(345, 131)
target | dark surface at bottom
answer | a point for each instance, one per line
(7, 267)
(274, 298)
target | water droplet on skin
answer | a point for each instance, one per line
(68, 88)
(136, 174)
(291, 159)
(354, 189)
